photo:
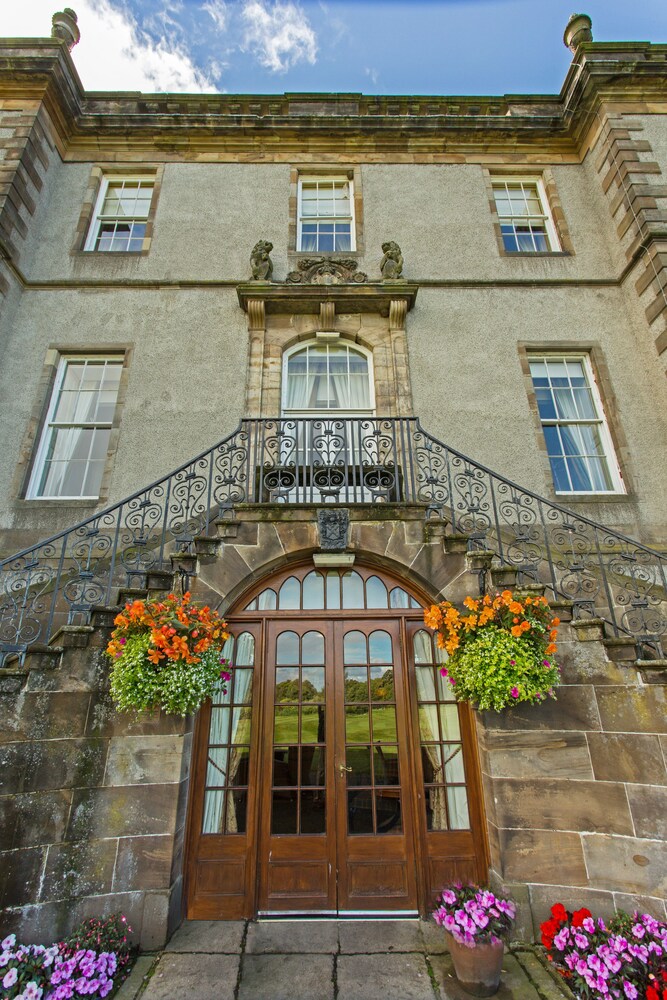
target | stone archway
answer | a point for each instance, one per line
(290, 814)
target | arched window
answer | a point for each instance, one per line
(327, 377)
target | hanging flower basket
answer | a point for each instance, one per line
(167, 655)
(501, 652)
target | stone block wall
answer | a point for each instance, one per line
(576, 789)
(92, 805)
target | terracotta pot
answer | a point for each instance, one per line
(477, 969)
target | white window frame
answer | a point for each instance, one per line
(98, 218)
(600, 421)
(546, 216)
(50, 425)
(300, 219)
(332, 412)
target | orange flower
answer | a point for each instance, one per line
(551, 648)
(471, 604)
(515, 607)
(555, 622)
(154, 655)
(516, 631)
(433, 616)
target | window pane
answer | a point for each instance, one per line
(312, 724)
(245, 653)
(353, 590)
(457, 803)
(454, 763)
(376, 593)
(379, 645)
(449, 722)
(423, 647)
(313, 591)
(313, 813)
(312, 684)
(287, 684)
(287, 648)
(216, 769)
(289, 596)
(333, 590)
(388, 811)
(312, 648)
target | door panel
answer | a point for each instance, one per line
(296, 832)
(375, 847)
(221, 857)
(446, 773)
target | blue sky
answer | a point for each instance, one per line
(373, 46)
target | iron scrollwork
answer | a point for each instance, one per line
(333, 460)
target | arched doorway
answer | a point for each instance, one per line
(338, 774)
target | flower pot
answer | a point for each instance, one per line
(477, 969)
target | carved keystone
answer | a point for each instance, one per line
(332, 528)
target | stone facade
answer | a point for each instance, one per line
(93, 807)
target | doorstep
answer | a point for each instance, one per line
(322, 960)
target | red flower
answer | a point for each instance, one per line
(559, 912)
(579, 916)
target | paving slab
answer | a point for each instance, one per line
(286, 977)
(290, 936)
(195, 977)
(514, 983)
(373, 936)
(551, 987)
(222, 937)
(135, 980)
(384, 977)
(434, 937)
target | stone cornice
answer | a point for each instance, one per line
(167, 125)
(373, 297)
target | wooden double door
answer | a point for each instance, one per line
(331, 777)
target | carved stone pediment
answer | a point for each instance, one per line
(326, 271)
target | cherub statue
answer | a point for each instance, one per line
(391, 265)
(260, 262)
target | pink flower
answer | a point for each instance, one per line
(515, 692)
(512, 662)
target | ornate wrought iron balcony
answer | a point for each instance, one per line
(341, 460)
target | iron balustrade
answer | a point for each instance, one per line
(341, 460)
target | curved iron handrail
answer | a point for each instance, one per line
(320, 460)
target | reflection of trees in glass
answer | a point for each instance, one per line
(356, 691)
(288, 690)
(382, 688)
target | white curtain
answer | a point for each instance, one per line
(428, 726)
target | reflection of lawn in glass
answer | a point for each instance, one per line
(287, 728)
(384, 726)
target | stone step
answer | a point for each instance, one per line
(621, 648)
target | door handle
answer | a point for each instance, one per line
(341, 768)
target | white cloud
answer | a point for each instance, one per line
(218, 11)
(280, 36)
(113, 54)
